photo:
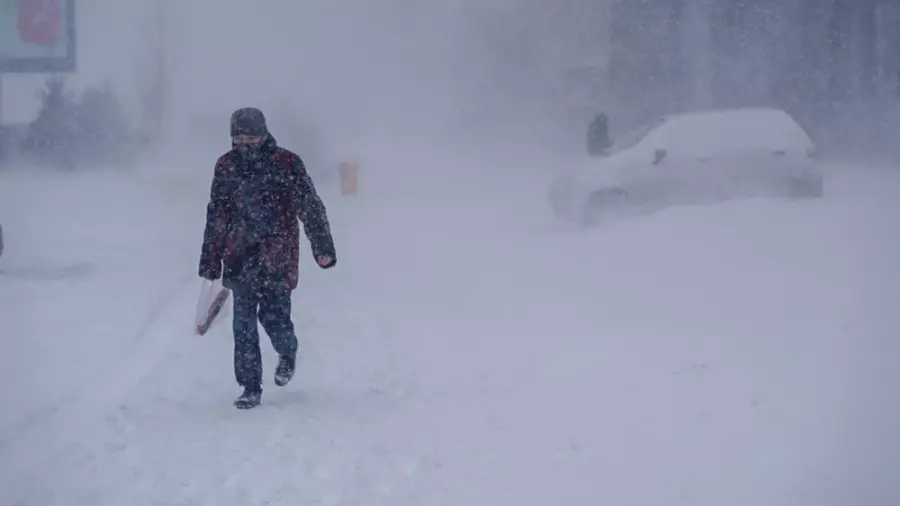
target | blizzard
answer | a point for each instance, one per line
(466, 350)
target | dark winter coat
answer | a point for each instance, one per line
(252, 220)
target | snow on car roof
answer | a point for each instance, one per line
(730, 129)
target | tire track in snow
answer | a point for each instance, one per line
(32, 420)
(145, 352)
(48, 435)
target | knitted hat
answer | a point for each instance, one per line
(248, 121)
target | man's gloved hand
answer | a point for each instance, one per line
(325, 261)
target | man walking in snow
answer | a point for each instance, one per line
(259, 191)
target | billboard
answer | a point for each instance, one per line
(37, 36)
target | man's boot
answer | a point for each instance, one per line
(250, 398)
(285, 370)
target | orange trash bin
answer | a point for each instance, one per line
(349, 170)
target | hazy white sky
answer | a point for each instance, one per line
(342, 62)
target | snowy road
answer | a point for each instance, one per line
(742, 354)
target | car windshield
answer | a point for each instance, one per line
(632, 138)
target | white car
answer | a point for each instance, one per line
(695, 158)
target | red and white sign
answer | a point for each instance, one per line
(40, 21)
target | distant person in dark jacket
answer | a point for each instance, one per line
(259, 191)
(598, 140)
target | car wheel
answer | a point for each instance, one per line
(602, 204)
(809, 187)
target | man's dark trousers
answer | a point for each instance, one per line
(272, 308)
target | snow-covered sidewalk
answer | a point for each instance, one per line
(740, 354)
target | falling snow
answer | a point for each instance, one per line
(469, 348)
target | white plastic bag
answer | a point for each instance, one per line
(211, 307)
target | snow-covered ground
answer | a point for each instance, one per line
(464, 351)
